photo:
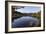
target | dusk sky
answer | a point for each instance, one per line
(29, 9)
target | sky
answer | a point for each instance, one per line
(29, 9)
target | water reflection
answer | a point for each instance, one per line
(25, 21)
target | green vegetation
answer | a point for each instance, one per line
(16, 14)
(37, 15)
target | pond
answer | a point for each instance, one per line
(25, 21)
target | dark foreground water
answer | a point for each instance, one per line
(25, 21)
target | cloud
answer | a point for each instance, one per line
(29, 9)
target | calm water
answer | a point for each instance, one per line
(25, 21)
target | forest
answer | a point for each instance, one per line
(19, 14)
(16, 14)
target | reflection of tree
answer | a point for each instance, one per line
(16, 14)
